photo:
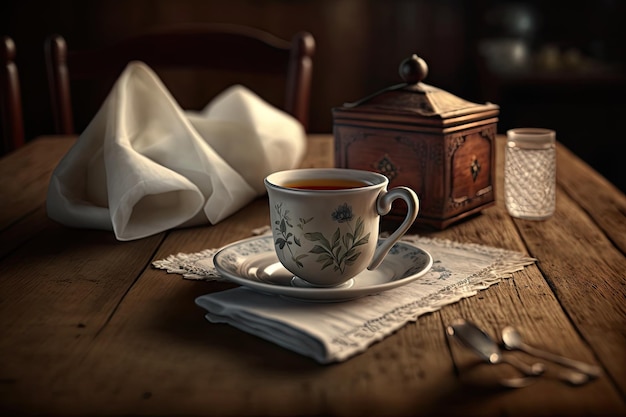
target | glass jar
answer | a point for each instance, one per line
(530, 173)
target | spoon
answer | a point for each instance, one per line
(485, 347)
(513, 340)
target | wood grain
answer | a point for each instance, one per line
(25, 175)
(602, 201)
(89, 327)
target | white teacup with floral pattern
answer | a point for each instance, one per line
(325, 222)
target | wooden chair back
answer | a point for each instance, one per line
(10, 98)
(233, 49)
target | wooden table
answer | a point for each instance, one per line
(89, 327)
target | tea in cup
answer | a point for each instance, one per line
(325, 222)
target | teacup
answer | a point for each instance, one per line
(325, 222)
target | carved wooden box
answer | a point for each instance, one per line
(425, 138)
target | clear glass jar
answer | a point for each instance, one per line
(530, 173)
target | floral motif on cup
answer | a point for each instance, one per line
(339, 250)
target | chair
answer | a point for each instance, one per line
(10, 99)
(234, 49)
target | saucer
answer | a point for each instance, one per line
(253, 263)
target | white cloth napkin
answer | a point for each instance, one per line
(143, 165)
(333, 332)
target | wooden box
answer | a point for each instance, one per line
(425, 138)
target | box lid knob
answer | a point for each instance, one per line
(413, 69)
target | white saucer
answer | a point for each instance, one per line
(253, 263)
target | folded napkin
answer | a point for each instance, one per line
(333, 332)
(143, 165)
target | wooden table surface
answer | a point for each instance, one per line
(89, 327)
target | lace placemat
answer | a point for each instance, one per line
(332, 332)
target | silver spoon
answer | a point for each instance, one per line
(513, 340)
(485, 347)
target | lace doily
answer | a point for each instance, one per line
(336, 331)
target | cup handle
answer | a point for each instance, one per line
(383, 206)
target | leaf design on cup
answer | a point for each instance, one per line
(284, 237)
(340, 250)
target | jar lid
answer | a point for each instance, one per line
(419, 101)
(532, 137)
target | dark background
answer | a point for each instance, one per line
(553, 64)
